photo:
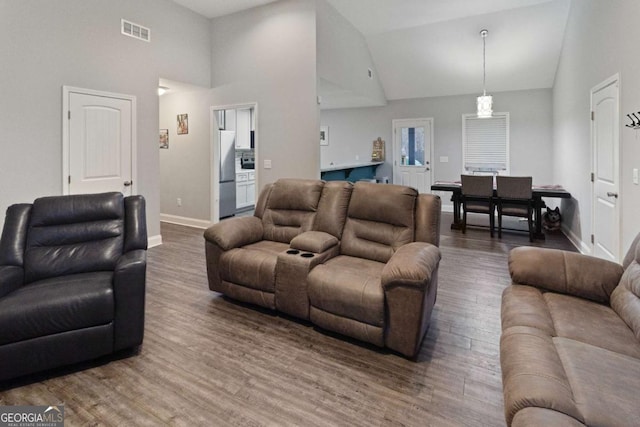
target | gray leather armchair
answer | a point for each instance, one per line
(72, 280)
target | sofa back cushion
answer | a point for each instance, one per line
(625, 298)
(74, 234)
(380, 219)
(290, 208)
(332, 207)
(428, 211)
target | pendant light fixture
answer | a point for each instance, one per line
(485, 101)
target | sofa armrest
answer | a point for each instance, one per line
(410, 283)
(129, 280)
(314, 241)
(11, 278)
(411, 265)
(565, 272)
(235, 232)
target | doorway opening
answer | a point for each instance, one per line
(234, 157)
(413, 153)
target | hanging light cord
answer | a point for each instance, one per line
(484, 62)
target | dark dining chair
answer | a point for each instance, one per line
(477, 197)
(514, 198)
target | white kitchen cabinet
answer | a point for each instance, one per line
(243, 129)
(245, 189)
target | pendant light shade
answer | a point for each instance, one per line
(485, 102)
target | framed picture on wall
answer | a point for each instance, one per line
(164, 138)
(324, 135)
(183, 124)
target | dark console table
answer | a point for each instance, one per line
(538, 192)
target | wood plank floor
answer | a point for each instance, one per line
(209, 361)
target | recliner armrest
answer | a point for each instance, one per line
(565, 272)
(235, 232)
(411, 265)
(314, 241)
(11, 278)
(129, 279)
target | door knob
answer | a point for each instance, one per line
(610, 194)
(128, 183)
(427, 169)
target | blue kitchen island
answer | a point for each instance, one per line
(349, 171)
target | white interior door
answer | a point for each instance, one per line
(100, 144)
(412, 153)
(606, 170)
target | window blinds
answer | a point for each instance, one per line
(486, 142)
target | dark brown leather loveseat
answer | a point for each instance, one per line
(570, 345)
(72, 280)
(361, 260)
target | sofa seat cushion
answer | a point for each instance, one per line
(349, 287)
(56, 305)
(566, 316)
(252, 266)
(591, 323)
(605, 384)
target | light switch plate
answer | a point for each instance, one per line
(635, 176)
(444, 159)
(267, 164)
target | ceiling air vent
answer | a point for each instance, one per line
(136, 31)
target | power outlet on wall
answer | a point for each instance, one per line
(179, 202)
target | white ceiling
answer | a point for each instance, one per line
(215, 8)
(425, 48)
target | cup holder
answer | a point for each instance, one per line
(293, 252)
(306, 255)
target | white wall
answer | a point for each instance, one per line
(600, 41)
(185, 165)
(48, 44)
(352, 131)
(343, 63)
(268, 55)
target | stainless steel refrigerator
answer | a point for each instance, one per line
(227, 173)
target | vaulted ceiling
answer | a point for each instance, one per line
(424, 48)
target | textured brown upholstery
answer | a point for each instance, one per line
(360, 260)
(382, 287)
(242, 252)
(570, 345)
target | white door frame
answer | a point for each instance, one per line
(398, 122)
(66, 91)
(214, 154)
(615, 79)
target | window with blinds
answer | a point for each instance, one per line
(485, 143)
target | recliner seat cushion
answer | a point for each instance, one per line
(57, 305)
(349, 287)
(566, 316)
(252, 266)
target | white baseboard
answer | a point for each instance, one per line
(182, 220)
(154, 241)
(576, 241)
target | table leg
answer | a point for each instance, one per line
(538, 204)
(457, 222)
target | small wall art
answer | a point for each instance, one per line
(183, 124)
(324, 135)
(164, 138)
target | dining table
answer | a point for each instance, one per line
(538, 192)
